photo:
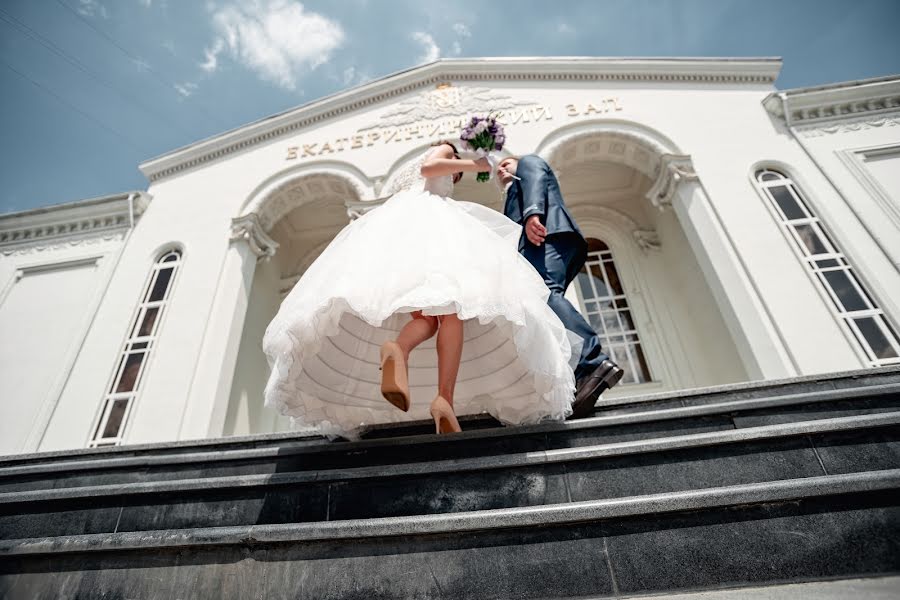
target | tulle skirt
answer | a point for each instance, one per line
(419, 251)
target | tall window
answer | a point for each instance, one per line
(120, 397)
(835, 274)
(608, 312)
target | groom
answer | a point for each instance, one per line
(553, 244)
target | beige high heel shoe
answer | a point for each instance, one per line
(394, 376)
(444, 418)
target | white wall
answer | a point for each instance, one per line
(48, 304)
(724, 129)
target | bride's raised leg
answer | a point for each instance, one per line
(449, 349)
(395, 355)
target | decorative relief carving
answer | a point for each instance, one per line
(248, 228)
(84, 223)
(647, 239)
(357, 209)
(674, 168)
(298, 192)
(446, 101)
(48, 245)
(872, 122)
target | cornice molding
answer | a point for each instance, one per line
(731, 71)
(66, 225)
(867, 99)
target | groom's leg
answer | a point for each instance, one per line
(551, 261)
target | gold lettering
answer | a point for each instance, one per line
(571, 110)
(373, 137)
(591, 109)
(326, 147)
(388, 136)
(516, 117)
(356, 142)
(615, 102)
(435, 130)
(540, 111)
(412, 131)
(292, 153)
(309, 150)
(340, 143)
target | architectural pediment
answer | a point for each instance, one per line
(458, 101)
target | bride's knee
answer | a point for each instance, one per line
(430, 319)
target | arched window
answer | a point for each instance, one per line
(822, 255)
(606, 309)
(119, 401)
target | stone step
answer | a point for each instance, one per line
(788, 531)
(802, 387)
(556, 476)
(291, 454)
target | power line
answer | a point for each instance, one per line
(37, 37)
(72, 106)
(168, 83)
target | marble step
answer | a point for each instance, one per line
(305, 455)
(788, 531)
(660, 465)
(803, 388)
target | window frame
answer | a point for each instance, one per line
(596, 258)
(846, 318)
(135, 344)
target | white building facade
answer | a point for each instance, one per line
(737, 233)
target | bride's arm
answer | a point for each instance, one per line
(441, 162)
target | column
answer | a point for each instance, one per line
(207, 403)
(752, 329)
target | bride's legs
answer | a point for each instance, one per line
(395, 356)
(449, 349)
(416, 331)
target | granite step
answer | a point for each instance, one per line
(660, 465)
(788, 531)
(305, 454)
(799, 386)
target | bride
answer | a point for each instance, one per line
(421, 266)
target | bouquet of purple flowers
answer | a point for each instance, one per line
(483, 135)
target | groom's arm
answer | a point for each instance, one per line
(533, 174)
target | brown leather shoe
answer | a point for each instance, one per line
(589, 388)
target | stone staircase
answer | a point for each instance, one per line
(737, 487)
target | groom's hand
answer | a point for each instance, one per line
(534, 230)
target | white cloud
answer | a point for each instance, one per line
(141, 64)
(565, 29)
(351, 76)
(170, 46)
(278, 39)
(461, 30)
(456, 49)
(92, 8)
(211, 62)
(430, 50)
(146, 3)
(186, 89)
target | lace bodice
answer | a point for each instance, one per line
(410, 178)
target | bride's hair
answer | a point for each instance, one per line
(449, 143)
(456, 176)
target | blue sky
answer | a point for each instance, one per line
(91, 88)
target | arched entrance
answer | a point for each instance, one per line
(300, 212)
(663, 286)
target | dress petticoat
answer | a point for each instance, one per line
(423, 251)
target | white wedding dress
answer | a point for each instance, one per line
(420, 250)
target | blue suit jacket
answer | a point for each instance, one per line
(537, 193)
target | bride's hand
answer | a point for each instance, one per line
(483, 165)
